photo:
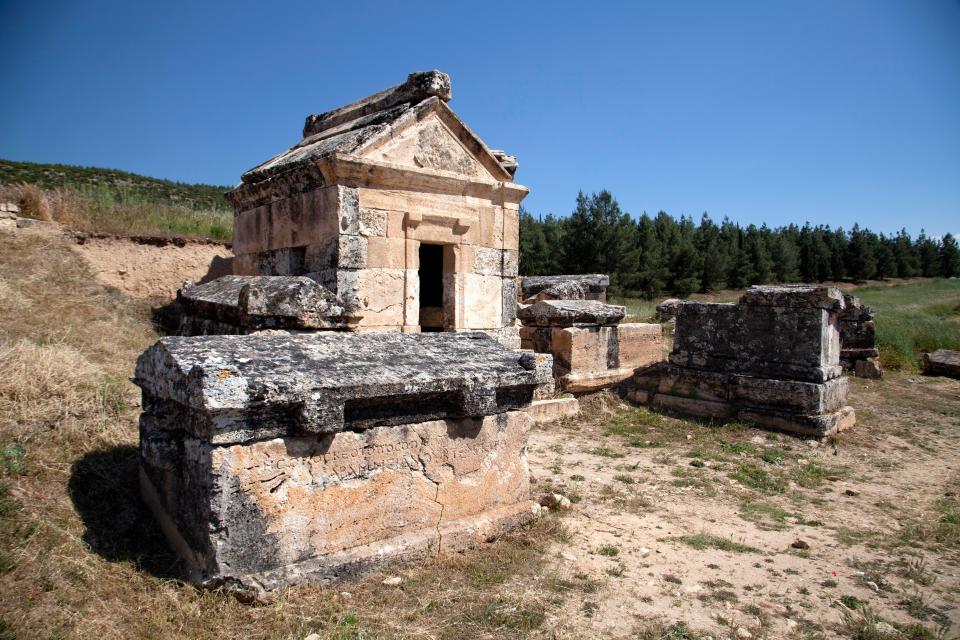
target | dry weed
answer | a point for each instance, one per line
(31, 199)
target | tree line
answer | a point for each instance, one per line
(653, 255)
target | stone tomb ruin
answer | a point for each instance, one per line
(591, 349)
(271, 459)
(858, 339)
(772, 359)
(397, 207)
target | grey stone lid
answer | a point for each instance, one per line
(235, 388)
(275, 302)
(564, 313)
(532, 285)
(794, 295)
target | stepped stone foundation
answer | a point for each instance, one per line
(772, 359)
(273, 459)
(591, 349)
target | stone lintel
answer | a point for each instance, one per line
(340, 168)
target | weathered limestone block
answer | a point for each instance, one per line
(769, 333)
(566, 313)
(553, 409)
(589, 358)
(8, 219)
(272, 459)
(639, 344)
(771, 359)
(584, 287)
(244, 304)
(236, 388)
(942, 363)
(279, 511)
(669, 309)
(858, 339)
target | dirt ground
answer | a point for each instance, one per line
(678, 530)
(153, 270)
(676, 521)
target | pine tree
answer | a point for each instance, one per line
(861, 261)
(949, 257)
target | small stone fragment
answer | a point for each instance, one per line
(392, 581)
(556, 501)
(743, 633)
(852, 492)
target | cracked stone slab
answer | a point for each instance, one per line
(262, 302)
(235, 388)
(566, 313)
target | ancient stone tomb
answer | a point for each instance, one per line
(395, 206)
(771, 359)
(590, 346)
(274, 458)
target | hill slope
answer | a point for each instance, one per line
(122, 185)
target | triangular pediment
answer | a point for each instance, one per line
(436, 139)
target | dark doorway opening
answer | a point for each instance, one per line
(431, 287)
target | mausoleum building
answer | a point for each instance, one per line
(397, 207)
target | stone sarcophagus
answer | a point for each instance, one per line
(772, 359)
(591, 349)
(277, 458)
(395, 206)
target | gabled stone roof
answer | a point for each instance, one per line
(358, 126)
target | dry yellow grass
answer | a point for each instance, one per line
(81, 558)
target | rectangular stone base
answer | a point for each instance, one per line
(261, 515)
(552, 409)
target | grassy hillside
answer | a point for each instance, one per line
(122, 186)
(109, 201)
(914, 318)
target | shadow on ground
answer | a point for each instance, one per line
(104, 487)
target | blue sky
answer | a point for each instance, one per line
(832, 111)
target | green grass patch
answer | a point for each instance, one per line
(914, 318)
(703, 541)
(606, 452)
(754, 477)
